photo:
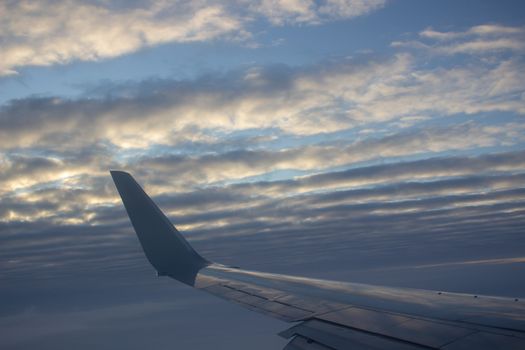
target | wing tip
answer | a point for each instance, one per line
(115, 172)
(120, 176)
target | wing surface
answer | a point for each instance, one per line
(329, 314)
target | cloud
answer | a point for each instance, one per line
(91, 200)
(216, 137)
(43, 33)
(281, 12)
(473, 206)
(480, 30)
(481, 39)
(236, 165)
(422, 170)
(23, 173)
(57, 32)
(319, 99)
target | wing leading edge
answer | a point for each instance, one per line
(329, 314)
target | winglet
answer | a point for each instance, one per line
(166, 249)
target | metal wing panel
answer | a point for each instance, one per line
(414, 330)
(486, 340)
(477, 310)
(268, 301)
(340, 317)
(335, 336)
(302, 343)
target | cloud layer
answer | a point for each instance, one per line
(259, 124)
(411, 158)
(342, 95)
(43, 33)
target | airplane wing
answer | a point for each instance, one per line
(329, 314)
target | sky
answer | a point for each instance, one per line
(377, 141)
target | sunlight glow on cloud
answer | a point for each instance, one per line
(478, 39)
(318, 99)
(58, 32)
(280, 12)
(43, 33)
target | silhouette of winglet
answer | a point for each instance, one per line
(166, 249)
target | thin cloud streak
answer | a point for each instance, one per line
(481, 39)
